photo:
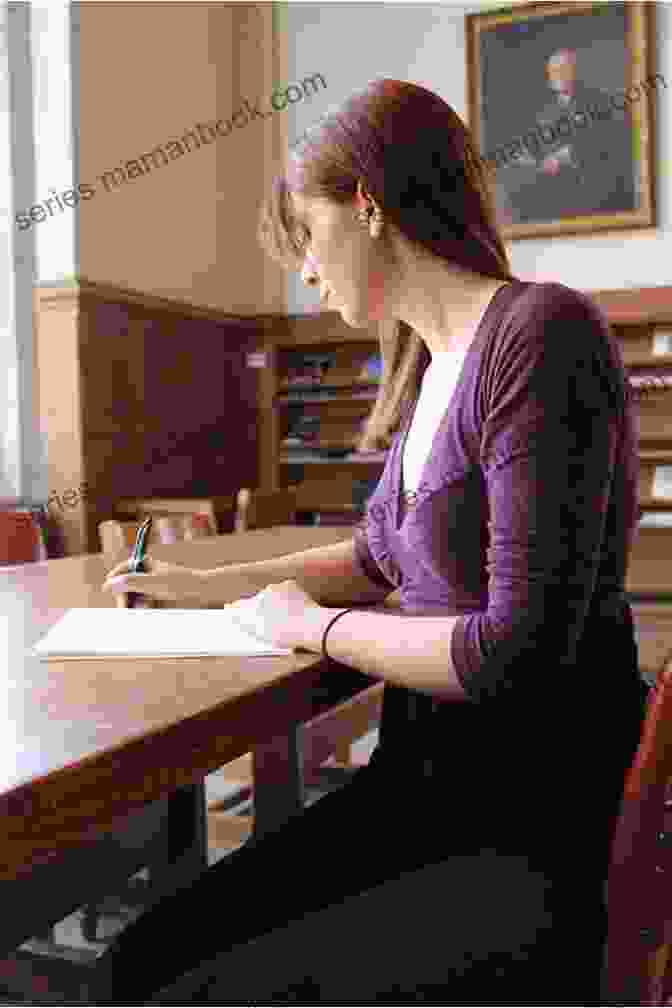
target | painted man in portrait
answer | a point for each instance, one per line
(576, 160)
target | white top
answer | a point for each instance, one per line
(438, 383)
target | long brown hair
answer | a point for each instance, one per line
(418, 161)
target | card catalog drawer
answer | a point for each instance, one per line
(655, 477)
(645, 344)
(653, 394)
(649, 569)
(661, 342)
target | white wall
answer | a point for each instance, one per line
(54, 160)
(9, 475)
(36, 156)
(424, 43)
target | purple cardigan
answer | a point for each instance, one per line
(528, 502)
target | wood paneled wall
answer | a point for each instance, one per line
(141, 397)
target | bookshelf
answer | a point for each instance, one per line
(320, 383)
(642, 323)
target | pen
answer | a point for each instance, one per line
(137, 561)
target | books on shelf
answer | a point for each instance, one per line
(334, 393)
(372, 368)
(333, 433)
(645, 384)
(303, 427)
(339, 518)
(306, 367)
(297, 446)
(309, 455)
(361, 491)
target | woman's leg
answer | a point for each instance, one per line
(358, 900)
(471, 930)
(349, 840)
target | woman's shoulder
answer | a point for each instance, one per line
(538, 300)
(545, 328)
(541, 312)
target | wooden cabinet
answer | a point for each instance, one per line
(140, 397)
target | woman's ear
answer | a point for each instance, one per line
(364, 197)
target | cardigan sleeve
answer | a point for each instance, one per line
(364, 560)
(548, 444)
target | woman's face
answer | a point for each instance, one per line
(342, 259)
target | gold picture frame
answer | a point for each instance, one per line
(561, 101)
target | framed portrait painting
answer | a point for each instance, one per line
(561, 101)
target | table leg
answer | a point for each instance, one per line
(183, 851)
(278, 782)
(174, 850)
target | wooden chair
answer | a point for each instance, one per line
(19, 537)
(638, 954)
(118, 537)
(217, 508)
(259, 509)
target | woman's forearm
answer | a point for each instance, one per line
(327, 573)
(410, 651)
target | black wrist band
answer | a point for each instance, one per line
(329, 626)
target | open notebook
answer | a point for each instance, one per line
(150, 633)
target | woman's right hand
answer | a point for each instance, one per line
(164, 581)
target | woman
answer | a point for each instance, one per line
(466, 863)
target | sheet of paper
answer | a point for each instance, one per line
(150, 633)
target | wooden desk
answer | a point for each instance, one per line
(88, 744)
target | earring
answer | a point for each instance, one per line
(374, 217)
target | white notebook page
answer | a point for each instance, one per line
(150, 633)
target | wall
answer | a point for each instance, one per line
(97, 85)
(182, 226)
(9, 477)
(23, 114)
(425, 44)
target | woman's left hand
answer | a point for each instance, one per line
(281, 614)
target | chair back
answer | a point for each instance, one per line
(19, 538)
(264, 509)
(639, 887)
(178, 508)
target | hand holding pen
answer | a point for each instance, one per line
(137, 562)
(145, 577)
